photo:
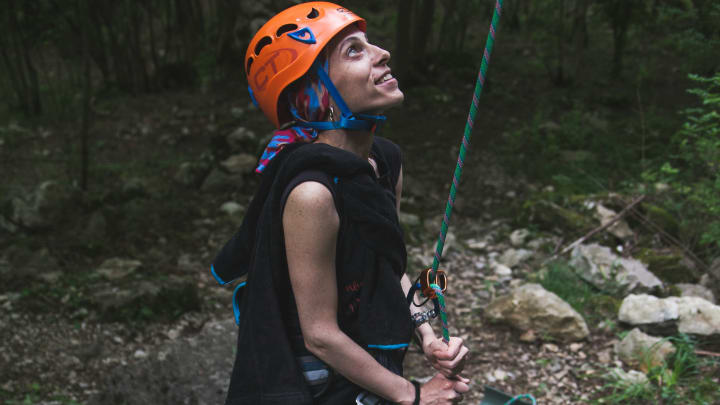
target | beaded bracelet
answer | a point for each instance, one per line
(420, 318)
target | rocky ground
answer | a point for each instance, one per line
(78, 359)
(109, 299)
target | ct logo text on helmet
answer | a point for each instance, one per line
(261, 77)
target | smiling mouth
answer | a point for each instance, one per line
(384, 78)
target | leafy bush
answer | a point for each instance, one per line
(594, 306)
(694, 33)
(579, 150)
(694, 171)
(682, 379)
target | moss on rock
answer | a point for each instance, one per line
(661, 217)
(551, 215)
(666, 265)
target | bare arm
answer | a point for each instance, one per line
(311, 225)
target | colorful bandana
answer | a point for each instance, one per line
(311, 102)
(281, 138)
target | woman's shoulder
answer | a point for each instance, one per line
(311, 205)
(310, 184)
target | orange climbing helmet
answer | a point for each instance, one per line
(286, 47)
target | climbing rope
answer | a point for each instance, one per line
(522, 396)
(440, 301)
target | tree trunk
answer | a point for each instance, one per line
(620, 24)
(151, 33)
(228, 12)
(448, 15)
(423, 30)
(30, 90)
(34, 88)
(560, 37)
(169, 18)
(513, 16)
(580, 30)
(580, 35)
(15, 76)
(403, 43)
(87, 91)
(141, 75)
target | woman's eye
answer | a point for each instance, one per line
(352, 50)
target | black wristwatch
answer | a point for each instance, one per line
(417, 392)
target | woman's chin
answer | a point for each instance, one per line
(391, 102)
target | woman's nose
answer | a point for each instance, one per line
(382, 56)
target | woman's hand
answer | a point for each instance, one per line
(448, 359)
(441, 391)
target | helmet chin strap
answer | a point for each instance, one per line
(348, 119)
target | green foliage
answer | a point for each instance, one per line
(682, 379)
(694, 171)
(562, 280)
(693, 32)
(575, 149)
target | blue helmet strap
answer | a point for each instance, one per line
(348, 120)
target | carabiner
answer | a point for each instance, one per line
(425, 282)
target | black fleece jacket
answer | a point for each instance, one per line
(370, 261)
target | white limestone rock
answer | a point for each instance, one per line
(600, 267)
(241, 163)
(518, 237)
(532, 307)
(117, 268)
(513, 257)
(696, 290)
(640, 349)
(691, 315)
(620, 229)
(639, 309)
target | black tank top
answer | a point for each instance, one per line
(388, 160)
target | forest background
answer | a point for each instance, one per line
(585, 97)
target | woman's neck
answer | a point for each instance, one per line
(357, 142)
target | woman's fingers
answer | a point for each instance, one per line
(462, 379)
(457, 364)
(441, 390)
(449, 351)
(437, 347)
(461, 386)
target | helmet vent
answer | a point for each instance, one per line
(262, 43)
(286, 28)
(313, 14)
(249, 63)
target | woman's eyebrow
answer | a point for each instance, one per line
(357, 37)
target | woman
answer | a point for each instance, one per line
(323, 318)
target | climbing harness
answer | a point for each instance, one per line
(433, 282)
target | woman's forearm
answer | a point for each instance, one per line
(346, 357)
(424, 331)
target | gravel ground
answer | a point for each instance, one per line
(53, 359)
